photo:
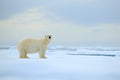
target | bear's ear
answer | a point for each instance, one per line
(45, 35)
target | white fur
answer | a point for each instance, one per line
(33, 45)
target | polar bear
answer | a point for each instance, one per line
(34, 45)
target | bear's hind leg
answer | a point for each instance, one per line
(23, 54)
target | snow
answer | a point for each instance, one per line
(60, 65)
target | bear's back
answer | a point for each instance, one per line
(28, 42)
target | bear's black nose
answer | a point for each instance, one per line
(49, 37)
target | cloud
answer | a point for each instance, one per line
(87, 11)
(36, 22)
(77, 11)
(73, 1)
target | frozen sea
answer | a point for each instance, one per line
(62, 63)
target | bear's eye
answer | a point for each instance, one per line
(49, 37)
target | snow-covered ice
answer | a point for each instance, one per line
(62, 63)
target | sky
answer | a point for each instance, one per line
(70, 22)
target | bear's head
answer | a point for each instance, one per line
(48, 37)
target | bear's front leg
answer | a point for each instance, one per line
(42, 54)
